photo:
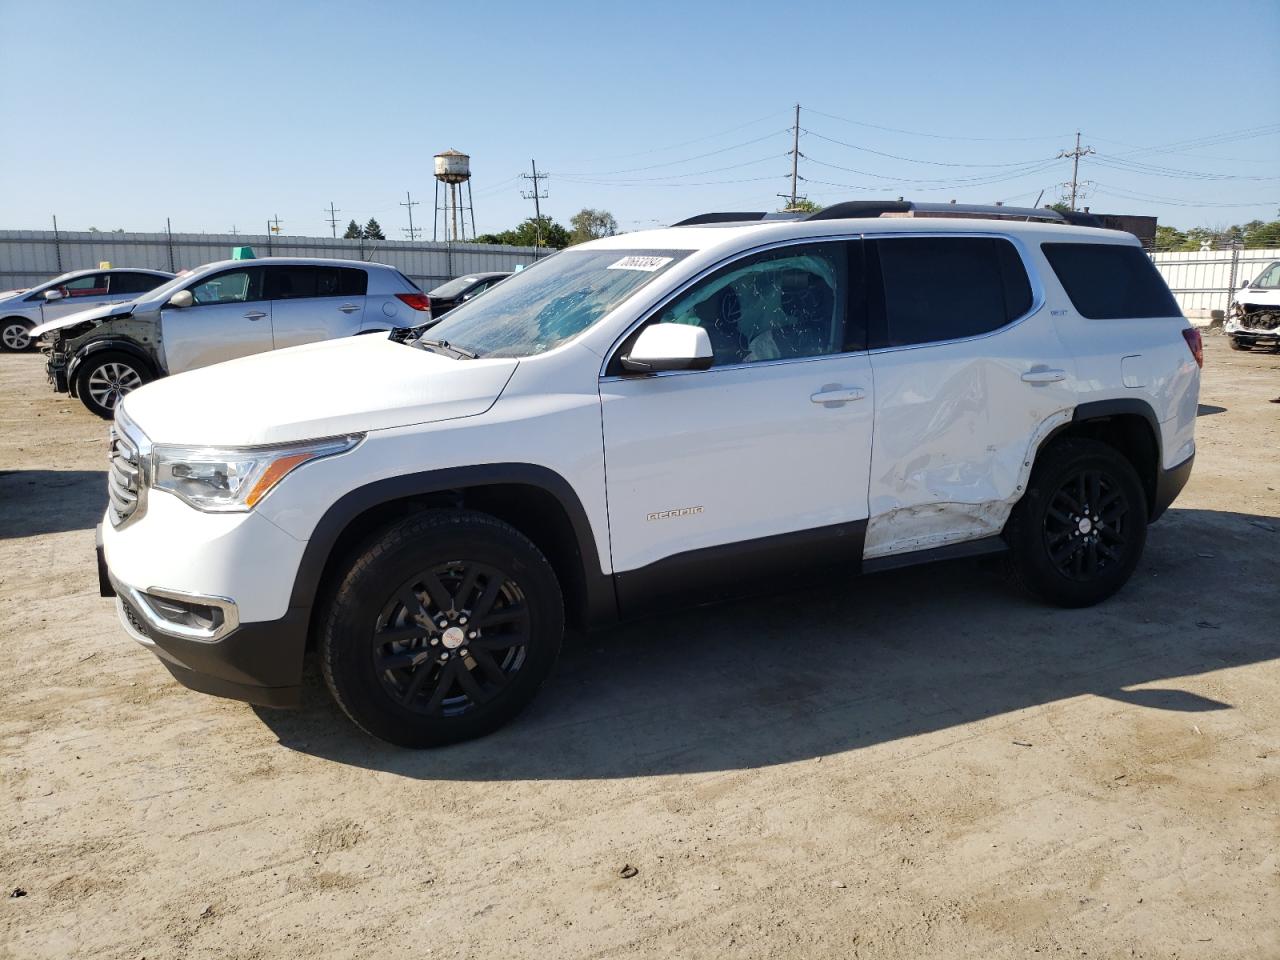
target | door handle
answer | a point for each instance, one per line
(349, 308)
(1044, 375)
(832, 395)
(254, 315)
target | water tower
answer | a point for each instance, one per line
(453, 169)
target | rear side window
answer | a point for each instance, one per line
(296, 282)
(1108, 281)
(948, 288)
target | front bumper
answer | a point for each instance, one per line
(1269, 338)
(257, 662)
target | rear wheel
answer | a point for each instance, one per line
(104, 379)
(1078, 533)
(442, 629)
(1238, 345)
(14, 335)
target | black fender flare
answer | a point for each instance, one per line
(1123, 406)
(113, 344)
(599, 596)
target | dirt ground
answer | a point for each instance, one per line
(926, 765)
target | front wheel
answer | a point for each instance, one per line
(442, 629)
(1078, 533)
(15, 335)
(104, 379)
(1238, 345)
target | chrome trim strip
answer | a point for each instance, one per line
(230, 612)
(1038, 297)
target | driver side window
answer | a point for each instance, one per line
(231, 286)
(781, 304)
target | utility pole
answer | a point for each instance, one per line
(333, 219)
(1075, 156)
(794, 197)
(410, 203)
(536, 196)
(234, 231)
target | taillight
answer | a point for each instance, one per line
(1194, 344)
(419, 301)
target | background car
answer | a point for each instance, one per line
(448, 295)
(220, 311)
(20, 310)
(1255, 319)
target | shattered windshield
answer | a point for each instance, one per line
(555, 299)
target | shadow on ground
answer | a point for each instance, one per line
(33, 502)
(1209, 409)
(784, 678)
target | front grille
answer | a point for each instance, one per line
(124, 478)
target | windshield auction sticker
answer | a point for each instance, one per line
(643, 264)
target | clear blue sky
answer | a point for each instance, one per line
(220, 113)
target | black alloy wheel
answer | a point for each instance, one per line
(1085, 525)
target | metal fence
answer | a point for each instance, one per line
(1205, 280)
(28, 257)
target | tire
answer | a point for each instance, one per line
(1064, 554)
(1237, 345)
(106, 377)
(13, 335)
(466, 570)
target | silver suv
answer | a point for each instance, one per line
(218, 312)
(20, 310)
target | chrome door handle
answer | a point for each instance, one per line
(1044, 375)
(254, 315)
(830, 396)
(348, 308)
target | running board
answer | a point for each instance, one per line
(987, 546)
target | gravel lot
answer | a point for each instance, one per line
(925, 765)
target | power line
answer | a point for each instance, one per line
(411, 203)
(1031, 167)
(673, 163)
(934, 136)
(333, 218)
(672, 176)
(932, 163)
(685, 143)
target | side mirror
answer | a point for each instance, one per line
(669, 346)
(1243, 284)
(182, 298)
(52, 295)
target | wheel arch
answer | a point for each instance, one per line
(535, 500)
(111, 345)
(1127, 425)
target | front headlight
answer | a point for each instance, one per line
(235, 478)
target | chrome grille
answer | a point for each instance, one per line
(125, 482)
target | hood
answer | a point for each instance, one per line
(80, 316)
(319, 390)
(6, 294)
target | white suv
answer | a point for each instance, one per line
(686, 412)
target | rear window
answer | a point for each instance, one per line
(454, 287)
(947, 288)
(135, 282)
(1107, 281)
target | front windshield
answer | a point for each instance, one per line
(452, 288)
(541, 307)
(169, 288)
(1270, 278)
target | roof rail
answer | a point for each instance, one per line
(721, 218)
(908, 208)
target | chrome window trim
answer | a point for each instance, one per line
(662, 302)
(1033, 277)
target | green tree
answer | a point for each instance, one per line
(372, 231)
(1169, 238)
(553, 235)
(353, 231)
(588, 224)
(802, 205)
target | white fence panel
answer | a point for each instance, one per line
(1202, 280)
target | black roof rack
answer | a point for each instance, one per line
(909, 208)
(721, 218)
